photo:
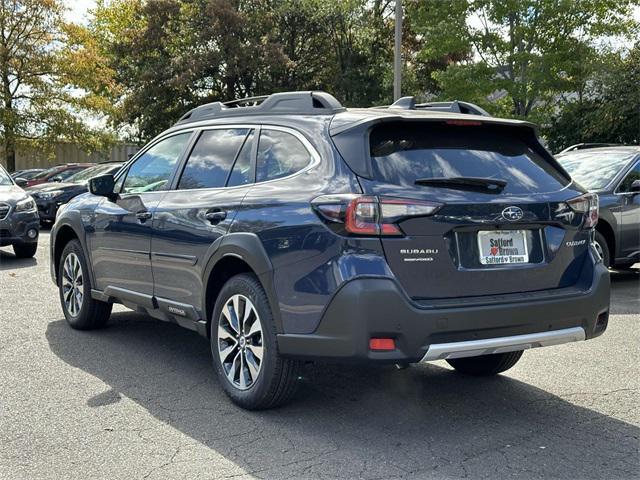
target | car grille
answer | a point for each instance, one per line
(4, 210)
(5, 233)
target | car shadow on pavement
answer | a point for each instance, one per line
(352, 421)
(8, 261)
(625, 291)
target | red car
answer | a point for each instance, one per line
(57, 173)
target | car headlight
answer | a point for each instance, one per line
(50, 195)
(26, 205)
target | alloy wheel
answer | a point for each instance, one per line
(72, 284)
(240, 345)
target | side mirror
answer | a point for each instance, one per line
(635, 186)
(57, 178)
(21, 182)
(103, 186)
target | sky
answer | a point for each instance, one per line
(77, 10)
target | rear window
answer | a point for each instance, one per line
(280, 154)
(401, 154)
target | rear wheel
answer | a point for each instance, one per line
(81, 311)
(26, 250)
(602, 248)
(244, 347)
(485, 365)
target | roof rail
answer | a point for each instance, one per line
(301, 103)
(585, 146)
(456, 106)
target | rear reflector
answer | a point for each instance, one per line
(382, 344)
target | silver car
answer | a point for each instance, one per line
(19, 222)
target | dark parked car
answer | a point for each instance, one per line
(614, 174)
(51, 195)
(294, 229)
(19, 225)
(58, 173)
(26, 174)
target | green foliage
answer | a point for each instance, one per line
(40, 70)
(608, 111)
(141, 64)
(527, 51)
(181, 53)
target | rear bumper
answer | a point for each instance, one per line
(368, 308)
(14, 230)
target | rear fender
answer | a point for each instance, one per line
(248, 248)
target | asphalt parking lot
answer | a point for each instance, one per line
(139, 400)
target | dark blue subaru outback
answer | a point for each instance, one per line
(287, 228)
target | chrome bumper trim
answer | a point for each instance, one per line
(473, 348)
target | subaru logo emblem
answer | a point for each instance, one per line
(513, 214)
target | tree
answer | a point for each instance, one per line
(524, 52)
(171, 55)
(41, 70)
(608, 110)
(27, 29)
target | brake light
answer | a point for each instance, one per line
(587, 205)
(369, 215)
(463, 123)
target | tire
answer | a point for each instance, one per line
(603, 249)
(257, 384)
(26, 250)
(86, 313)
(486, 365)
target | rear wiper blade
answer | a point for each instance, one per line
(493, 184)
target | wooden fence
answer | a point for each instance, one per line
(68, 153)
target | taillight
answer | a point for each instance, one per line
(587, 205)
(369, 215)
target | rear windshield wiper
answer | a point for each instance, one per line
(481, 183)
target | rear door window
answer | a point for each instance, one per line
(403, 153)
(280, 154)
(212, 158)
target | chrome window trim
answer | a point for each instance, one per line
(315, 156)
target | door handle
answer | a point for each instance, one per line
(143, 216)
(215, 217)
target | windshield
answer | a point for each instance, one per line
(5, 179)
(85, 175)
(594, 170)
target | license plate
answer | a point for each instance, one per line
(502, 247)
